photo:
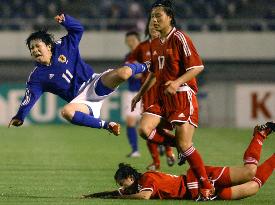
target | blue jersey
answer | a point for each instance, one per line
(134, 84)
(64, 76)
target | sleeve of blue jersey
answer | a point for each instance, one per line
(74, 28)
(32, 94)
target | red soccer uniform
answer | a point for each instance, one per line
(163, 186)
(142, 54)
(167, 186)
(171, 59)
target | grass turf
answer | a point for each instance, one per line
(57, 164)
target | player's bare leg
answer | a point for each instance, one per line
(264, 171)
(115, 77)
(148, 124)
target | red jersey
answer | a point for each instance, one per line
(163, 186)
(142, 54)
(174, 57)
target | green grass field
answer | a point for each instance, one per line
(57, 164)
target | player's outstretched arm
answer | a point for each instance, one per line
(104, 195)
(15, 122)
(73, 26)
(140, 195)
(59, 18)
(149, 82)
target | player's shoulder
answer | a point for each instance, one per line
(181, 36)
(151, 173)
(144, 43)
(34, 73)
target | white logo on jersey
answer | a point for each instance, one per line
(259, 142)
(181, 115)
(51, 76)
(155, 53)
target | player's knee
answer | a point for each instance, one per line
(250, 172)
(184, 145)
(144, 132)
(124, 72)
(67, 113)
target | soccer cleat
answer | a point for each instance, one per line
(206, 194)
(181, 159)
(265, 129)
(170, 160)
(161, 150)
(134, 154)
(153, 167)
(114, 128)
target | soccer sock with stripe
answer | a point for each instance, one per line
(254, 149)
(160, 137)
(264, 171)
(86, 120)
(137, 68)
(196, 164)
(168, 151)
(132, 137)
(153, 149)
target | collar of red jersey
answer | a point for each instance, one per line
(168, 36)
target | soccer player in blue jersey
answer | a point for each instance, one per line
(60, 70)
(132, 40)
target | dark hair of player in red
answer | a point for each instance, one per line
(42, 35)
(133, 33)
(124, 171)
(168, 9)
(146, 32)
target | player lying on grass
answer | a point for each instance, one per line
(60, 70)
(229, 182)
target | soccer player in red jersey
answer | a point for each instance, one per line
(142, 54)
(174, 65)
(230, 182)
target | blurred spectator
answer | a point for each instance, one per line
(121, 14)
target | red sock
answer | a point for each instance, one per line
(265, 170)
(169, 151)
(153, 149)
(162, 138)
(225, 194)
(253, 152)
(196, 164)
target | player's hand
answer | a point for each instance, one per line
(85, 196)
(15, 122)
(171, 87)
(134, 102)
(59, 18)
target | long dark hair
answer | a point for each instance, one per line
(42, 35)
(124, 171)
(168, 9)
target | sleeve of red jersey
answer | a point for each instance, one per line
(148, 183)
(187, 51)
(133, 57)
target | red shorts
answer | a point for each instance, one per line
(182, 107)
(219, 176)
(149, 98)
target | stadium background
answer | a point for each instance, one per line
(55, 164)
